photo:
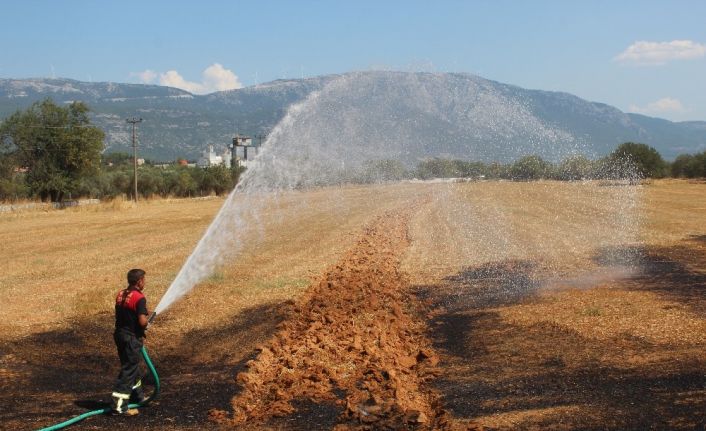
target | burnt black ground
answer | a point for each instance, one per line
(69, 372)
(490, 366)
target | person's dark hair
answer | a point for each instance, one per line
(134, 275)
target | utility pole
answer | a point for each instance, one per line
(260, 137)
(134, 121)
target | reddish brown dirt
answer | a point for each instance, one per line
(352, 348)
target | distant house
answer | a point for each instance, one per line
(210, 158)
(179, 162)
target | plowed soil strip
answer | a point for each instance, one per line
(352, 343)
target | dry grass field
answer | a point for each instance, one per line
(550, 305)
(548, 333)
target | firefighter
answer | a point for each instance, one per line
(130, 324)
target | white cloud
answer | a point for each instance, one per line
(659, 53)
(214, 78)
(218, 78)
(172, 79)
(661, 106)
(146, 76)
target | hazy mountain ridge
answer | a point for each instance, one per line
(180, 124)
(66, 89)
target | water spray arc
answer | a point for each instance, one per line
(232, 216)
(328, 138)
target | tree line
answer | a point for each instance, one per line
(175, 180)
(629, 160)
(50, 152)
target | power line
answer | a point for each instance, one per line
(62, 127)
(260, 136)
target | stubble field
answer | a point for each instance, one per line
(491, 305)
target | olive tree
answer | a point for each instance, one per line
(56, 147)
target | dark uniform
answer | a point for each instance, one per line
(129, 304)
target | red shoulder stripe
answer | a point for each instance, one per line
(129, 302)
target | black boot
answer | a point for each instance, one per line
(120, 403)
(138, 393)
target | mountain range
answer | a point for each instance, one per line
(180, 124)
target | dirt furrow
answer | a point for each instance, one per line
(352, 349)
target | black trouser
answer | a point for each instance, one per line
(129, 381)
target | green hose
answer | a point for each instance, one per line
(108, 409)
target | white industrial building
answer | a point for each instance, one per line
(210, 158)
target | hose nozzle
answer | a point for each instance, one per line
(150, 319)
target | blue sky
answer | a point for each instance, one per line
(640, 56)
